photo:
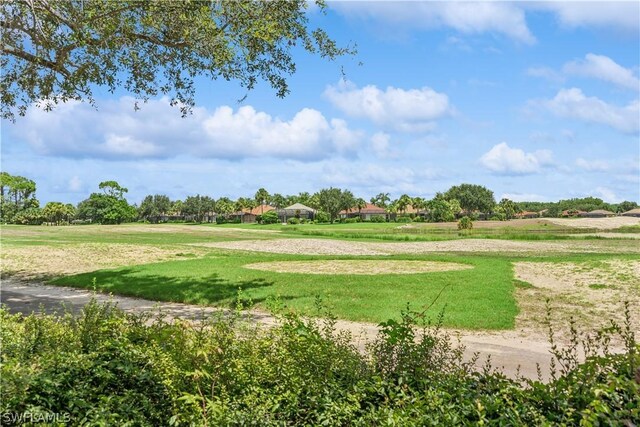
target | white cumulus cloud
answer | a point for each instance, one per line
(593, 165)
(618, 15)
(603, 68)
(465, 17)
(504, 160)
(573, 103)
(409, 110)
(117, 132)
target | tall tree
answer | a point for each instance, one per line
(279, 201)
(381, 200)
(404, 202)
(57, 212)
(54, 51)
(108, 207)
(333, 200)
(154, 206)
(262, 198)
(199, 206)
(472, 197)
(17, 194)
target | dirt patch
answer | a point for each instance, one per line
(597, 223)
(342, 247)
(41, 261)
(591, 292)
(364, 267)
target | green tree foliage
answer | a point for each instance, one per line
(262, 197)
(441, 209)
(243, 203)
(333, 200)
(54, 51)
(29, 216)
(197, 207)
(506, 209)
(131, 369)
(465, 223)
(403, 203)
(472, 197)
(224, 206)
(17, 194)
(57, 213)
(153, 206)
(270, 217)
(279, 201)
(381, 200)
(626, 206)
(108, 207)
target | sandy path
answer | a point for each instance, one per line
(342, 247)
(508, 350)
(598, 223)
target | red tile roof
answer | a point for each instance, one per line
(259, 210)
(369, 209)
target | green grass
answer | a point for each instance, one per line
(425, 231)
(479, 298)
(122, 234)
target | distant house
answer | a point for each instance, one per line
(249, 216)
(297, 210)
(365, 214)
(632, 212)
(598, 213)
(259, 210)
(527, 215)
(571, 213)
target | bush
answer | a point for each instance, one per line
(403, 218)
(465, 223)
(378, 218)
(352, 220)
(418, 218)
(105, 367)
(293, 221)
(270, 217)
(322, 216)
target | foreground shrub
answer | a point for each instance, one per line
(270, 217)
(465, 223)
(105, 367)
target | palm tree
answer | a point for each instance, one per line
(403, 202)
(360, 204)
(262, 197)
(381, 200)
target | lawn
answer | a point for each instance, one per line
(477, 298)
(159, 262)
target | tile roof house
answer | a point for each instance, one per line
(365, 213)
(598, 213)
(297, 210)
(527, 214)
(571, 213)
(632, 212)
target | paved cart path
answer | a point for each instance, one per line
(508, 350)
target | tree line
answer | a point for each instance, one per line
(19, 205)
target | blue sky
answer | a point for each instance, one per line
(537, 101)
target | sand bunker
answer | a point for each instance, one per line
(597, 223)
(342, 247)
(31, 262)
(590, 292)
(368, 267)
